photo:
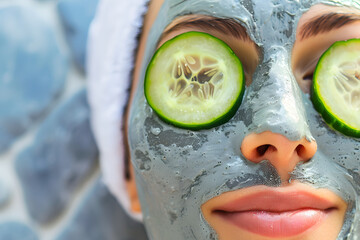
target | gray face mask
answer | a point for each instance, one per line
(177, 170)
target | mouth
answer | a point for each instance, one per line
(271, 212)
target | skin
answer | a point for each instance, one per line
(306, 52)
(175, 168)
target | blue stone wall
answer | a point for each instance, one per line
(50, 183)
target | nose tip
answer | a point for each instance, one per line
(282, 153)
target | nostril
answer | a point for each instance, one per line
(300, 150)
(261, 150)
(306, 151)
(281, 152)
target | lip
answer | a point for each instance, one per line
(275, 212)
(275, 201)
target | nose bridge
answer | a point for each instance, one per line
(274, 98)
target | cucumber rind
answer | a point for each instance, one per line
(229, 110)
(333, 120)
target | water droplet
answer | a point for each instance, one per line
(155, 131)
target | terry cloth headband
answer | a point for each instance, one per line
(110, 59)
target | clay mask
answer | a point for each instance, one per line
(178, 170)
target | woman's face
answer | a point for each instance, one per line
(275, 170)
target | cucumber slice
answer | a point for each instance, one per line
(336, 87)
(194, 81)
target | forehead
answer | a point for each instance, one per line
(268, 23)
(258, 16)
(257, 9)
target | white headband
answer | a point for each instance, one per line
(110, 57)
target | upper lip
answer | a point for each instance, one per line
(276, 201)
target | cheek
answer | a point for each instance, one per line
(335, 166)
(180, 159)
(163, 153)
(170, 152)
(338, 149)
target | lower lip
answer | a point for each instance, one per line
(276, 224)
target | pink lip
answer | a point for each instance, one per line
(276, 214)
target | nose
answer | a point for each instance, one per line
(281, 152)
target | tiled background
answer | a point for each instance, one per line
(50, 183)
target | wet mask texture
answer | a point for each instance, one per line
(177, 170)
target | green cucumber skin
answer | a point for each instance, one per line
(193, 126)
(329, 118)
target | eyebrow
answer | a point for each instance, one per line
(225, 26)
(326, 23)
